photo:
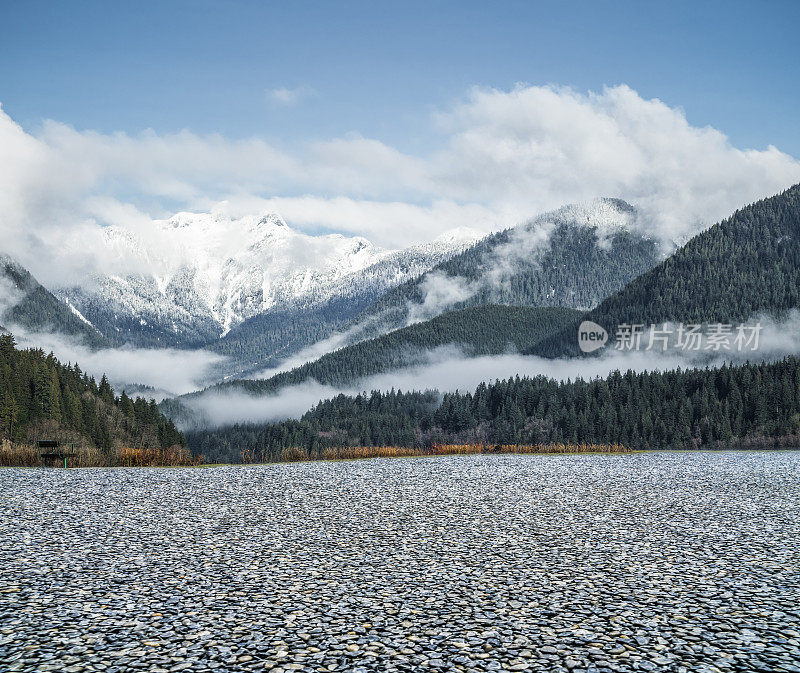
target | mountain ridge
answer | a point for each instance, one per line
(745, 264)
(29, 305)
(190, 279)
(572, 257)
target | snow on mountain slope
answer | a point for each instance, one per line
(571, 257)
(189, 279)
(28, 307)
(605, 215)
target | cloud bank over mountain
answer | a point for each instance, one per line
(504, 156)
(168, 371)
(449, 369)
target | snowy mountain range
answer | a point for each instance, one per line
(257, 293)
(188, 280)
(573, 257)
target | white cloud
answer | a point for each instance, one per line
(214, 408)
(507, 155)
(168, 370)
(283, 97)
(546, 146)
(440, 292)
(447, 369)
(10, 295)
(391, 224)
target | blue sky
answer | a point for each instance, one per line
(399, 122)
(380, 69)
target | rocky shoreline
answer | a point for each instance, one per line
(632, 562)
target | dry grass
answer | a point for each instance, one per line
(26, 455)
(173, 456)
(295, 454)
(18, 455)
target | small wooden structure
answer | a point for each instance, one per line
(52, 452)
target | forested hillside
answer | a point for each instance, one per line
(478, 331)
(266, 339)
(748, 405)
(27, 304)
(746, 264)
(41, 398)
(573, 267)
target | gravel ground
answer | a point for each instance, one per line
(648, 562)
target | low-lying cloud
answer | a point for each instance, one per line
(10, 294)
(168, 371)
(315, 351)
(441, 292)
(215, 407)
(447, 369)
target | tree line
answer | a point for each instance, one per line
(728, 406)
(746, 264)
(41, 398)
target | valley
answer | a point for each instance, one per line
(490, 300)
(420, 337)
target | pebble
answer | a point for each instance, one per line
(579, 563)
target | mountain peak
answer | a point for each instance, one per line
(182, 219)
(201, 274)
(459, 236)
(271, 219)
(606, 215)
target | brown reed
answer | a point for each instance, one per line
(296, 453)
(26, 455)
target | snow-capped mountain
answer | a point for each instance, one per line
(605, 215)
(573, 257)
(190, 279)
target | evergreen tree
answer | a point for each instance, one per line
(693, 408)
(37, 387)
